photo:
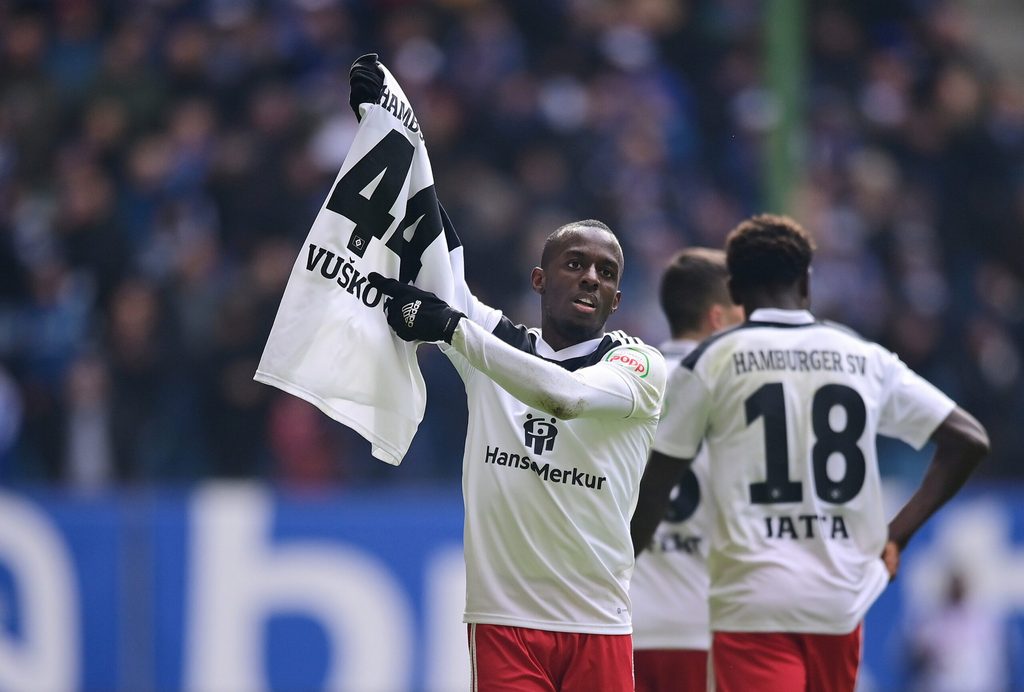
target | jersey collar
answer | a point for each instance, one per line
(677, 348)
(575, 351)
(781, 316)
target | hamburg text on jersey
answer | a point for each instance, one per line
(789, 409)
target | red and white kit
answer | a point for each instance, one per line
(789, 409)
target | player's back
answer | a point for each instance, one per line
(790, 411)
(669, 587)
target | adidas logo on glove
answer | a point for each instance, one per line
(415, 314)
(409, 311)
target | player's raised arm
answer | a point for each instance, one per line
(961, 442)
(614, 387)
(617, 386)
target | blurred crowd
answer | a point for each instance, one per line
(161, 162)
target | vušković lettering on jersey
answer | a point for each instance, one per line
(330, 343)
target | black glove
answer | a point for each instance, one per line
(415, 314)
(366, 80)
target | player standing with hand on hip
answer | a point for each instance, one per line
(789, 408)
(669, 590)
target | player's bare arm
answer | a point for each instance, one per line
(663, 472)
(961, 443)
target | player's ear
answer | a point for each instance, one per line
(716, 317)
(805, 286)
(537, 280)
(616, 300)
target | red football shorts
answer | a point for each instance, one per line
(675, 670)
(518, 659)
(785, 661)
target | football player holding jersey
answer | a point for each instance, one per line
(561, 420)
(788, 408)
(669, 590)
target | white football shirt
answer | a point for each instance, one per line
(669, 589)
(789, 409)
(548, 501)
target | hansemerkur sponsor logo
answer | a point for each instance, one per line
(539, 436)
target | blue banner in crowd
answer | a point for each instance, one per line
(235, 587)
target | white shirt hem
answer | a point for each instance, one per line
(579, 628)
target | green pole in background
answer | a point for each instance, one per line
(785, 45)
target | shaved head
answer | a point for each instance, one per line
(557, 239)
(578, 282)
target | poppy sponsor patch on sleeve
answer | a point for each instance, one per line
(630, 358)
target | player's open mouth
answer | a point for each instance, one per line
(585, 304)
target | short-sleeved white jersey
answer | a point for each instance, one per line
(548, 501)
(789, 409)
(669, 589)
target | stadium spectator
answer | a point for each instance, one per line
(669, 589)
(789, 409)
(560, 421)
(135, 137)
